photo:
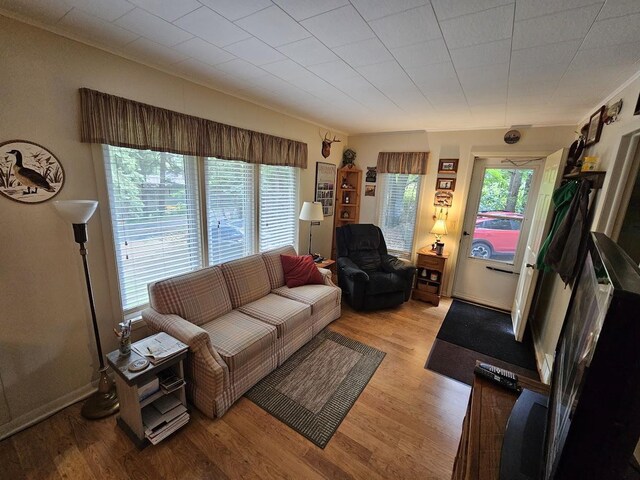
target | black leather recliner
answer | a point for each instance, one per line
(370, 278)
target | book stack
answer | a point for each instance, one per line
(163, 417)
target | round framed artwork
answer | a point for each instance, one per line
(29, 173)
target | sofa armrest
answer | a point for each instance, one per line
(351, 270)
(391, 264)
(216, 372)
(176, 326)
(326, 275)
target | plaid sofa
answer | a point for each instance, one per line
(240, 321)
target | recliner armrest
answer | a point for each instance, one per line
(351, 270)
(391, 264)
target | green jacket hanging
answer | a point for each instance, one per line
(561, 200)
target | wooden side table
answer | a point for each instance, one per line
(429, 276)
(480, 447)
(127, 384)
(327, 263)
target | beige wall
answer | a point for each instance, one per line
(554, 297)
(462, 144)
(47, 354)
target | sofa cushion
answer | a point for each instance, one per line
(239, 338)
(198, 297)
(247, 279)
(381, 282)
(300, 271)
(281, 312)
(274, 264)
(318, 296)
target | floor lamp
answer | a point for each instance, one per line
(104, 402)
(311, 212)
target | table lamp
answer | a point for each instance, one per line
(311, 212)
(439, 229)
(104, 402)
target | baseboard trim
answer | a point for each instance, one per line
(45, 411)
(540, 355)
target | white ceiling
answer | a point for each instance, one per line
(376, 65)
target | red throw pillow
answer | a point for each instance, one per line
(300, 271)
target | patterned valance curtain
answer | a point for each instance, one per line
(121, 122)
(403, 162)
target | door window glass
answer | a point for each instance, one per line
(503, 201)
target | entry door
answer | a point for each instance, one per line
(540, 225)
(495, 230)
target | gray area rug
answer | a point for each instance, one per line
(316, 387)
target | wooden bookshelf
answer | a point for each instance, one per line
(348, 196)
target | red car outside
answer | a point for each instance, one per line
(496, 235)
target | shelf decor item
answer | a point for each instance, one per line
(311, 212)
(348, 158)
(104, 402)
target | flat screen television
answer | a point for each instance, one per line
(590, 423)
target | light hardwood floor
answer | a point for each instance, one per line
(405, 425)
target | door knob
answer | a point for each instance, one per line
(529, 265)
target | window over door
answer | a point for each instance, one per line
(154, 203)
(397, 209)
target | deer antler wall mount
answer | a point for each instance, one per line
(326, 144)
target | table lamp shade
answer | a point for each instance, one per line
(75, 211)
(311, 212)
(439, 228)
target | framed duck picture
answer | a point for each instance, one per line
(29, 173)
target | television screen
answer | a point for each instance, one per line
(592, 296)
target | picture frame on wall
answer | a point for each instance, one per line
(448, 165)
(325, 186)
(595, 127)
(29, 173)
(443, 198)
(443, 183)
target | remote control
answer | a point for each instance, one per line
(500, 371)
(499, 379)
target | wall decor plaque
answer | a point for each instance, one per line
(29, 173)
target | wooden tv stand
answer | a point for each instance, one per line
(483, 428)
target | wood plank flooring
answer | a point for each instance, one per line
(405, 425)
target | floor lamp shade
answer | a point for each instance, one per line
(104, 402)
(311, 212)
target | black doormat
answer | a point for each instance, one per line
(488, 332)
(457, 362)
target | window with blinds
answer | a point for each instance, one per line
(278, 206)
(156, 208)
(155, 215)
(230, 192)
(398, 202)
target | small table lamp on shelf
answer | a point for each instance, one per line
(311, 212)
(104, 402)
(439, 230)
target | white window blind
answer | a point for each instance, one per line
(398, 197)
(278, 206)
(154, 206)
(230, 191)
